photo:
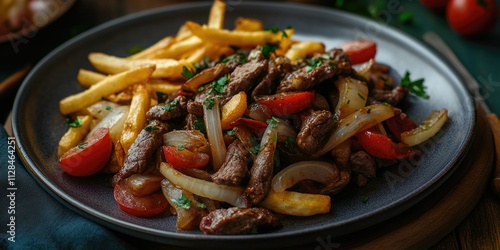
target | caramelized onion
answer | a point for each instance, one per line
(352, 96)
(427, 129)
(360, 120)
(114, 121)
(214, 134)
(319, 171)
(192, 140)
(203, 188)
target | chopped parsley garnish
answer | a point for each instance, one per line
(200, 205)
(199, 125)
(108, 108)
(202, 65)
(277, 30)
(416, 87)
(232, 132)
(316, 62)
(255, 149)
(187, 73)
(134, 50)
(218, 85)
(273, 122)
(82, 145)
(209, 103)
(171, 105)
(289, 142)
(239, 57)
(268, 49)
(200, 89)
(180, 148)
(361, 96)
(150, 128)
(182, 202)
(73, 123)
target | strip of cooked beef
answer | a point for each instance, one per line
(363, 166)
(245, 77)
(235, 166)
(141, 150)
(317, 69)
(261, 174)
(234, 220)
(195, 108)
(393, 97)
(315, 127)
(277, 69)
(173, 109)
(335, 186)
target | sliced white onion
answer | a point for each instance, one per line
(363, 68)
(114, 121)
(427, 129)
(214, 134)
(319, 171)
(259, 112)
(193, 140)
(285, 130)
(231, 195)
(358, 121)
(101, 109)
(353, 95)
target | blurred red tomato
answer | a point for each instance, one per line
(435, 4)
(472, 17)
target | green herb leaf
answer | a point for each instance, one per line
(290, 142)
(218, 85)
(209, 103)
(405, 17)
(82, 145)
(273, 122)
(239, 57)
(416, 87)
(187, 73)
(73, 123)
(180, 148)
(199, 125)
(171, 105)
(108, 108)
(232, 132)
(182, 202)
(150, 128)
(277, 30)
(134, 50)
(268, 49)
(200, 205)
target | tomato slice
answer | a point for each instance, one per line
(258, 127)
(360, 51)
(399, 124)
(283, 104)
(142, 206)
(89, 157)
(180, 158)
(381, 146)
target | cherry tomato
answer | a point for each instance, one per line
(381, 146)
(142, 206)
(360, 51)
(472, 17)
(89, 157)
(283, 104)
(179, 158)
(435, 4)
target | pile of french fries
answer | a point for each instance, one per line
(136, 79)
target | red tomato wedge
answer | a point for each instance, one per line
(180, 158)
(360, 51)
(256, 126)
(89, 157)
(284, 104)
(142, 206)
(399, 124)
(381, 146)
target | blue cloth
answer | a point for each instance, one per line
(38, 220)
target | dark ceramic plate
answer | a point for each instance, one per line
(38, 124)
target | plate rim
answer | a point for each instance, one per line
(176, 237)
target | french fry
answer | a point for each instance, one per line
(87, 78)
(235, 38)
(74, 135)
(166, 88)
(151, 51)
(136, 118)
(216, 16)
(203, 77)
(107, 86)
(179, 48)
(302, 49)
(166, 68)
(233, 109)
(196, 55)
(285, 43)
(296, 204)
(183, 33)
(248, 24)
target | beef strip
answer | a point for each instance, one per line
(235, 166)
(195, 108)
(315, 127)
(236, 220)
(335, 186)
(245, 77)
(141, 151)
(276, 71)
(261, 174)
(326, 66)
(393, 97)
(363, 166)
(175, 108)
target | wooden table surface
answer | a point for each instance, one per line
(479, 230)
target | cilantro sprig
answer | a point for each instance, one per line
(73, 123)
(416, 87)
